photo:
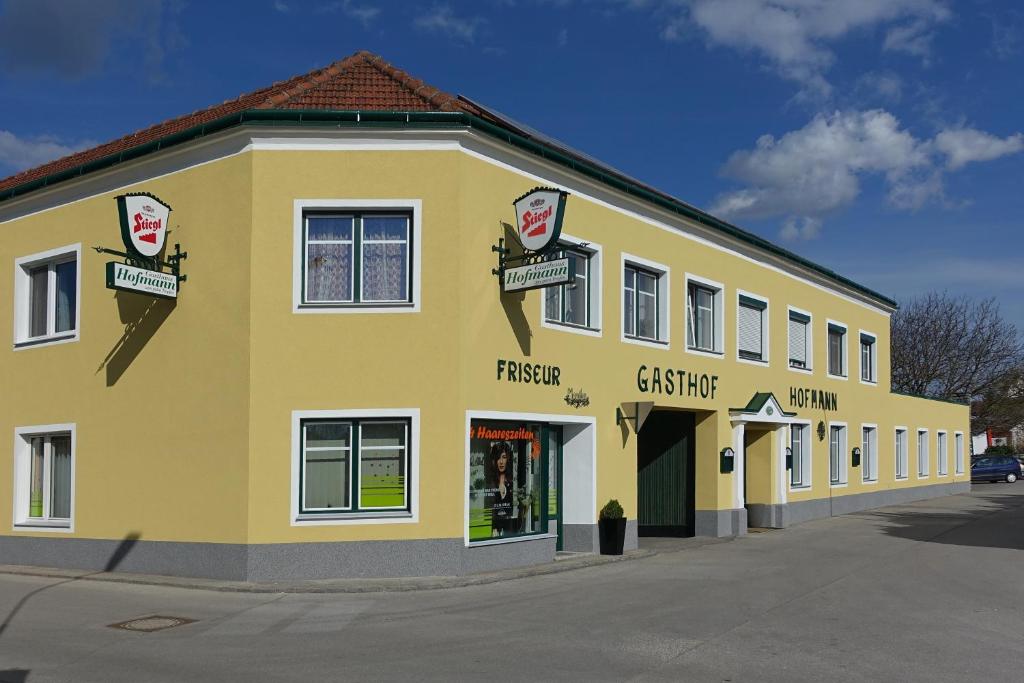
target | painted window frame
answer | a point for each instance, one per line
(869, 453)
(23, 292)
(958, 445)
(765, 305)
(843, 479)
(22, 521)
(902, 455)
(924, 473)
(662, 305)
(808, 368)
(805, 457)
(718, 316)
(844, 350)
(413, 208)
(595, 289)
(941, 453)
(873, 367)
(298, 517)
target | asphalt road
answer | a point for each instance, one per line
(930, 591)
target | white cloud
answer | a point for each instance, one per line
(810, 173)
(282, 7)
(364, 14)
(965, 145)
(794, 35)
(441, 19)
(563, 37)
(879, 85)
(21, 153)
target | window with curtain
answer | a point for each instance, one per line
(357, 258)
(869, 454)
(799, 326)
(51, 289)
(836, 356)
(570, 304)
(701, 318)
(800, 443)
(867, 358)
(640, 304)
(354, 466)
(751, 326)
(47, 491)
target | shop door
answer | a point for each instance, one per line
(665, 475)
(553, 455)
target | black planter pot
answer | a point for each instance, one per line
(612, 533)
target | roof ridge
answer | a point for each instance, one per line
(307, 81)
(419, 88)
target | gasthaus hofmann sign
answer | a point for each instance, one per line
(539, 215)
(144, 224)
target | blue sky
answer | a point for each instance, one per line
(882, 138)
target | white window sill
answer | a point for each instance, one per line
(59, 526)
(46, 341)
(569, 327)
(341, 519)
(652, 344)
(870, 383)
(705, 352)
(802, 371)
(799, 488)
(763, 363)
(514, 539)
(844, 378)
(902, 478)
(840, 485)
(869, 482)
(358, 308)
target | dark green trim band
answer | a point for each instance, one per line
(838, 329)
(752, 303)
(799, 317)
(930, 398)
(391, 119)
(867, 338)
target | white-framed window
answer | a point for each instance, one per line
(47, 296)
(44, 481)
(752, 328)
(705, 316)
(942, 454)
(837, 454)
(801, 341)
(869, 453)
(837, 362)
(868, 358)
(576, 307)
(800, 443)
(901, 453)
(958, 441)
(357, 256)
(645, 302)
(354, 466)
(922, 453)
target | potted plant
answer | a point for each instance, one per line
(611, 526)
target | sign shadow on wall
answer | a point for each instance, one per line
(512, 302)
(142, 316)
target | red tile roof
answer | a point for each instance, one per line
(361, 82)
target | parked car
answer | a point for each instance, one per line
(996, 468)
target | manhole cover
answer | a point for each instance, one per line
(150, 624)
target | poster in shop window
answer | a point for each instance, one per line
(505, 479)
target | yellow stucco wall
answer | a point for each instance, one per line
(194, 439)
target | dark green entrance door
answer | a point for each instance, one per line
(665, 475)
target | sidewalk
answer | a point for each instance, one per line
(563, 562)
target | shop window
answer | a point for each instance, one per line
(800, 443)
(353, 466)
(837, 455)
(799, 340)
(704, 305)
(959, 445)
(577, 305)
(47, 297)
(922, 453)
(869, 454)
(44, 476)
(942, 466)
(868, 362)
(836, 350)
(752, 328)
(901, 454)
(511, 478)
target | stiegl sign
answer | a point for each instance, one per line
(143, 223)
(131, 279)
(539, 218)
(542, 274)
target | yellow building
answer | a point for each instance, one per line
(340, 387)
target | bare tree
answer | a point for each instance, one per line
(960, 349)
